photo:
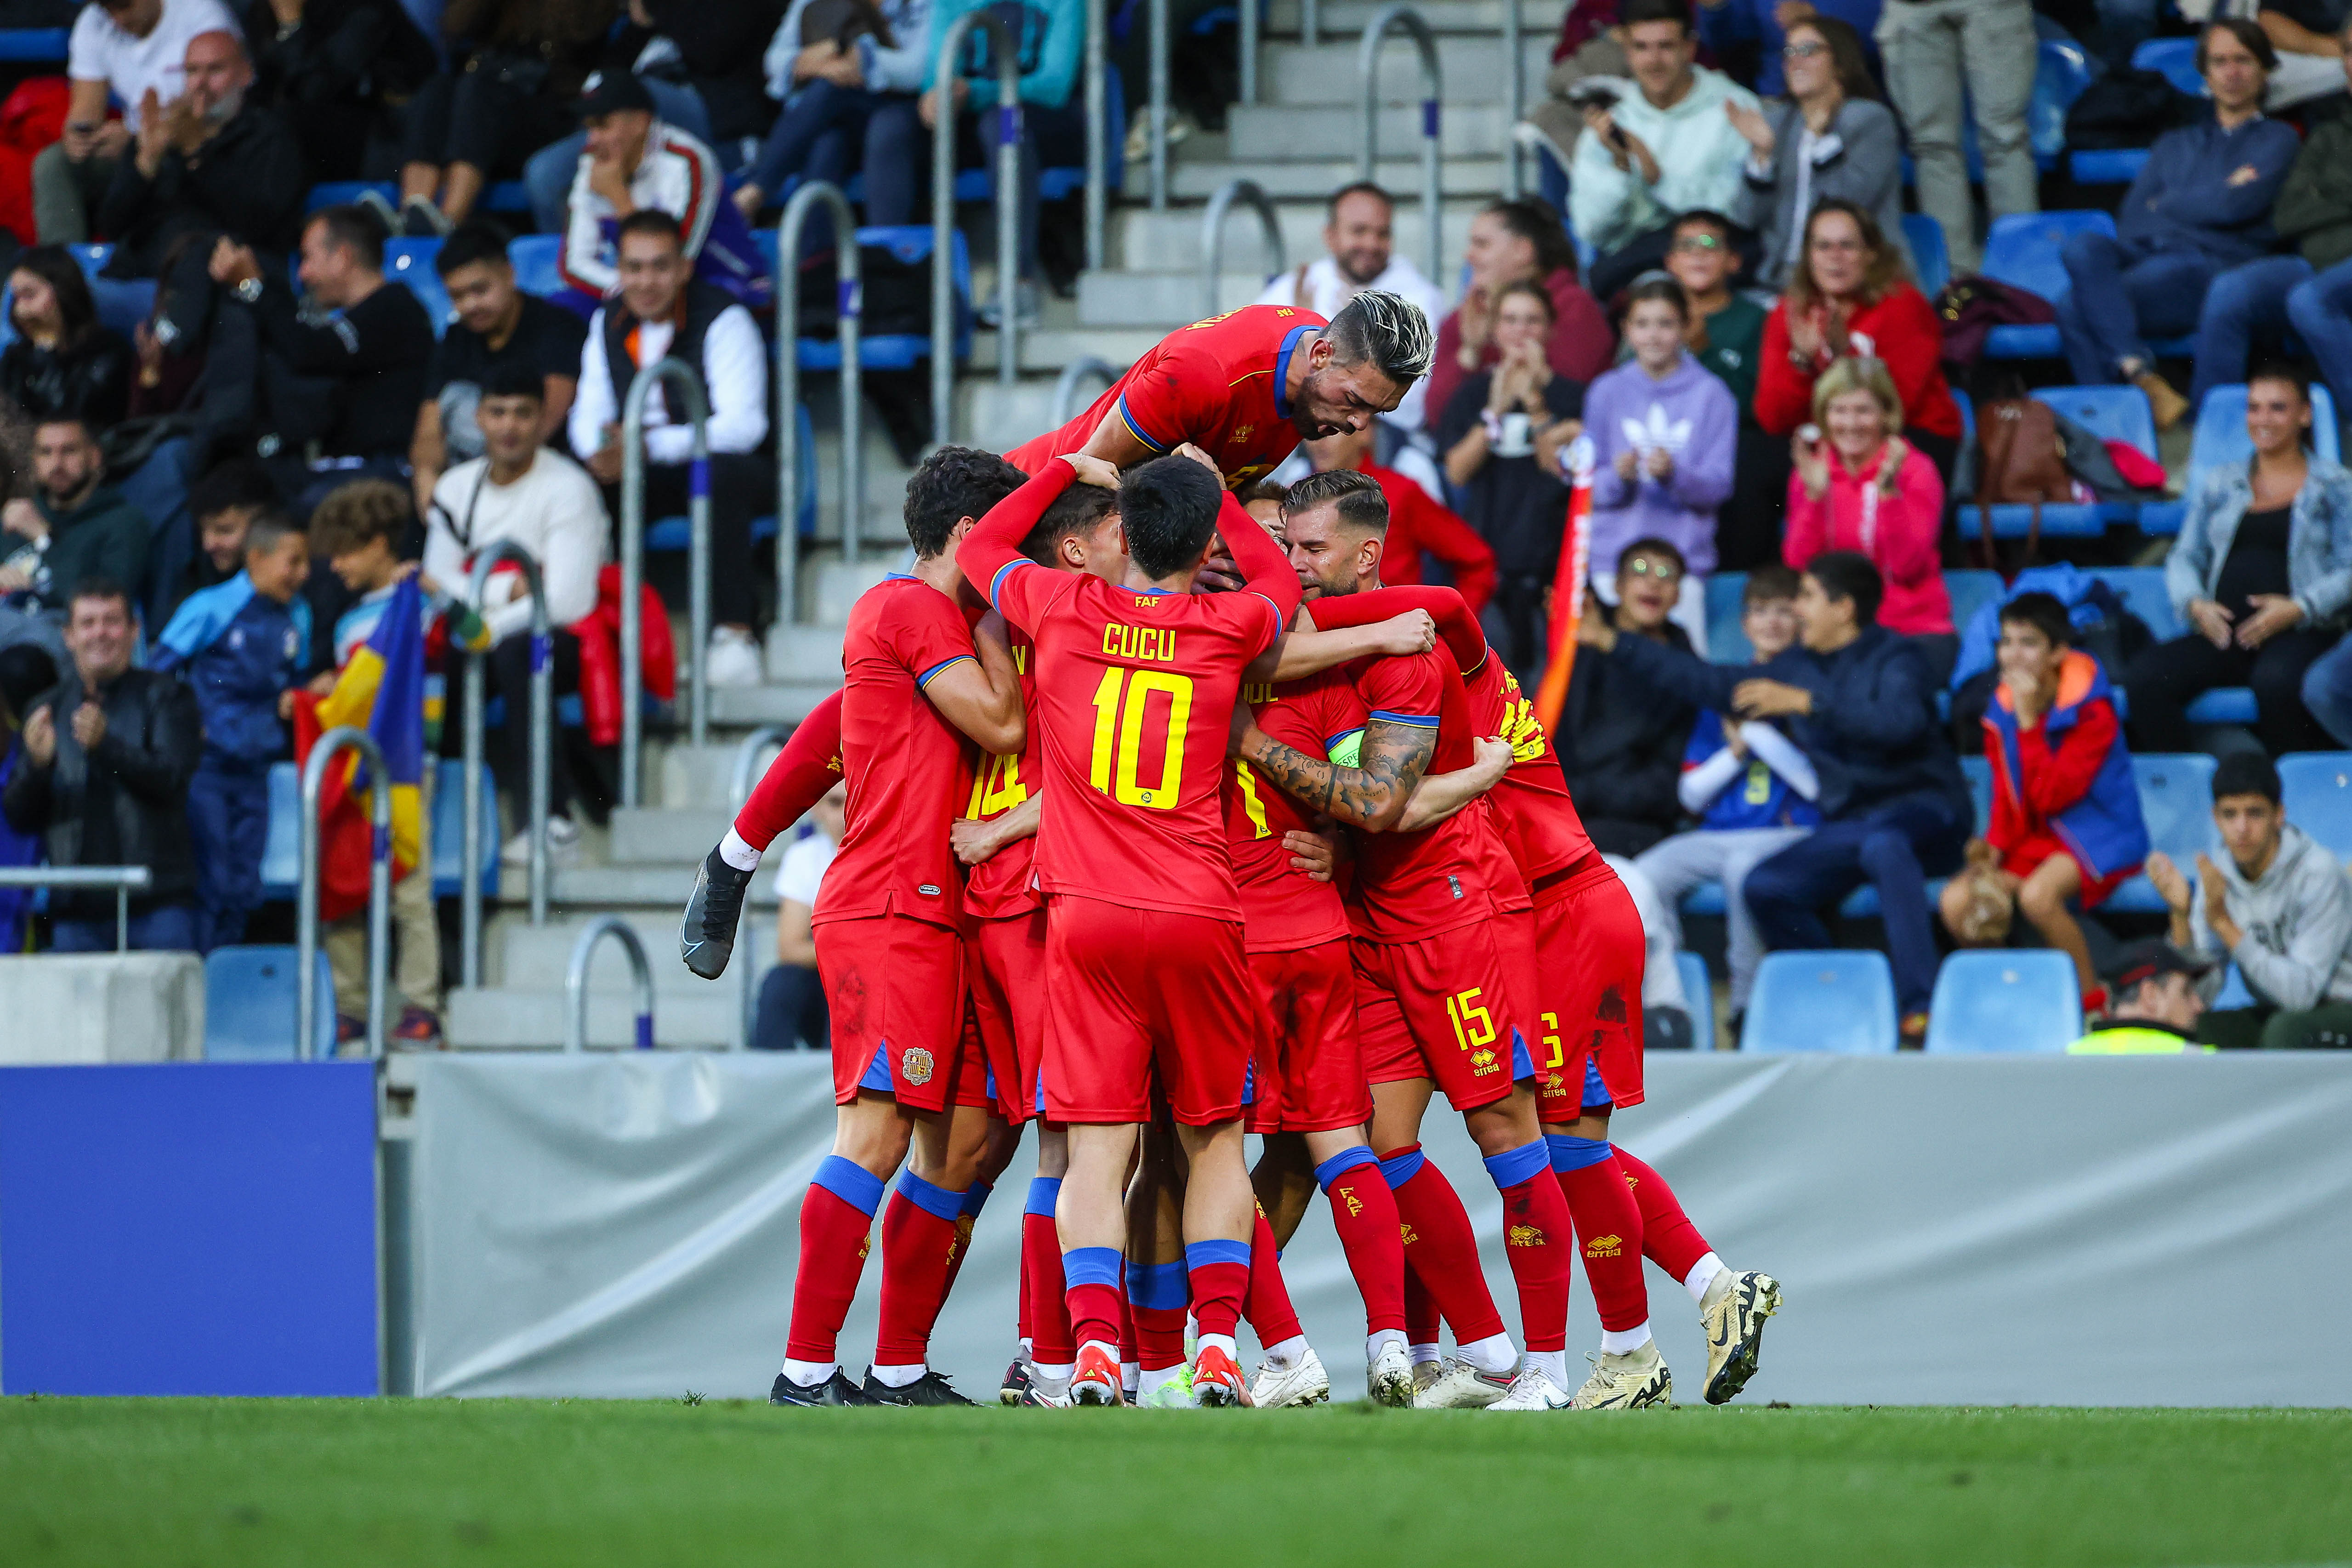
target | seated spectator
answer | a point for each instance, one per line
(516, 70)
(1859, 486)
(1511, 242)
(1729, 28)
(632, 161)
(841, 91)
(74, 529)
(1851, 300)
(109, 753)
(1358, 255)
(2066, 830)
(2153, 1004)
(1726, 335)
(2310, 288)
(1665, 432)
(1487, 429)
(1977, 58)
(1830, 137)
(517, 489)
(497, 325)
(243, 647)
(1619, 745)
(209, 161)
(1750, 788)
(2201, 205)
(792, 1004)
(1861, 705)
(25, 673)
(130, 51)
(221, 507)
(61, 360)
(712, 53)
(1670, 147)
(338, 71)
(2261, 574)
(1417, 525)
(2309, 38)
(2277, 905)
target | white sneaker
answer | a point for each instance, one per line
(1389, 1376)
(1533, 1389)
(563, 845)
(734, 658)
(1304, 1382)
(1461, 1386)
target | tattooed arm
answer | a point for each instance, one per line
(1441, 795)
(1372, 796)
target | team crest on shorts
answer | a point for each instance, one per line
(915, 1065)
(1604, 1247)
(1525, 1236)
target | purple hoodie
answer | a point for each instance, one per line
(1692, 414)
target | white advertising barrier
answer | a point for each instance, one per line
(80, 1009)
(1947, 1230)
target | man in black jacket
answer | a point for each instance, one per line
(1861, 703)
(1621, 742)
(104, 779)
(336, 69)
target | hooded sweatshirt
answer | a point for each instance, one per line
(2297, 921)
(1700, 154)
(1691, 416)
(1898, 533)
(2068, 775)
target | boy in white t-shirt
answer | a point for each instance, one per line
(126, 47)
(791, 1002)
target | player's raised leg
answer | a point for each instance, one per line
(1733, 1303)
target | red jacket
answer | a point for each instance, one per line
(1417, 524)
(1901, 329)
(1898, 533)
(1583, 345)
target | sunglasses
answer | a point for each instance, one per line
(1643, 566)
(1802, 51)
(1699, 242)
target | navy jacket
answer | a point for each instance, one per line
(1871, 736)
(2183, 199)
(239, 650)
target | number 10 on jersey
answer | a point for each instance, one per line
(1121, 705)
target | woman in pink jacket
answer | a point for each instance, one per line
(1858, 485)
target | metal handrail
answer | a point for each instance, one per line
(1159, 120)
(1515, 104)
(739, 790)
(329, 746)
(1005, 49)
(1310, 22)
(1065, 386)
(1248, 46)
(576, 980)
(1212, 236)
(849, 303)
(542, 730)
(124, 879)
(1368, 60)
(679, 374)
(1098, 131)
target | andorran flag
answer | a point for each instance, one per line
(381, 690)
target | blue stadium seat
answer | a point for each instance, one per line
(411, 262)
(2317, 794)
(1700, 992)
(252, 998)
(535, 256)
(1057, 180)
(282, 851)
(1841, 1003)
(506, 197)
(1726, 643)
(2220, 438)
(1930, 258)
(2061, 72)
(2021, 250)
(38, 45)
(2176, 798)
(2107, 166)
(2110, 413)
(2005, 1001)
(2233, 993)
(674, 535)
(1979, 773)
(2141, 588)
(1970, 590)
(910, 243)
(342, 192)
(2175, 59)
(449, 828)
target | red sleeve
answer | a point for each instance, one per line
(1805, 529)
(1456, 623)
(1582, 346)
(2064, 775)
(1164, 407)
(926, 633)
(1446, 371)
(1910, 525)
(1265, 571)
(1410, 691)
(1439, 531)
(1911, 340)
(991, 555)
(809, 765)
(1784, 395)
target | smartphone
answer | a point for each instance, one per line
(1811, 434)
(1594, 95)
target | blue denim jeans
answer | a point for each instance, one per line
(2245, 306)
(2120, 299)
(2319, 309)
(2124, 25)
(1895, 847)
(2327, 691)
(168, 928)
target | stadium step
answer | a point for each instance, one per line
(1048, 349)
(1347, 18)
(503, 1019)
(1149, 241)
(666, 836)
(1163, 301)
(536, 958)
(1313, 130)
(1316, 178)
(1469, 69)
(642, 885)
(697, 778)
(777, 702)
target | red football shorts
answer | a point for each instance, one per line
(1588, 992)
(896, 991)
(1008, 995)
(1130, 990)
(1438, 1008)
(1310, 1064)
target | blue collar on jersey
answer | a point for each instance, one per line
(1282, 369)
(900, 577)
(1155, 590)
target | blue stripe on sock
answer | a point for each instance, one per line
(1399, 1169)
(877, 1071)
(1162, 1286)
(1200, 1254)
(1523, 1066)
(850, 1182)
(937, 1202)
(1595, 1091)
(1091, 1265)
(1340, 1163)
(1043, 1193)
(1513, 1167)
(1569, 1152)
(975, 1198)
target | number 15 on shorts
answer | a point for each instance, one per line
(1474, 1027)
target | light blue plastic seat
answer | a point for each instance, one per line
(1970, 590)
(1979, 773)
(1930, 258)
(2175, 59)
(535, 258)
(252, 1001)
(2221, 438)
(2176, 799)
(2317, 788)
(1700, 992)
(2005, 1001)
(2110, 413)
(1837, 1002)
(1726, 642)
(411, 262)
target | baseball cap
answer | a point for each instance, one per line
(608, 91)
(2149, 960)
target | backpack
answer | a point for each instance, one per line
(2020, 462)
(1971, 307)
(2127, 109)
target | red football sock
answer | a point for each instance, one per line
(1042, 1288)
(836, 1225)
(1364, 1213)
(1267, 1306)
(1537, 1239)
(1440, 1245)
(1219, 1274)
(1668, 1237)
(1098, 1304)
(1608, 1237)
(966, 1219)
(1158, 1337)
(1420, 1317)
(919, 1245)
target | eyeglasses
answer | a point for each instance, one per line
(1699, 242)
(1802, 51)
(1643, 567)
(1839, 245)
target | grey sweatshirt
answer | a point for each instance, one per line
(2296, 918)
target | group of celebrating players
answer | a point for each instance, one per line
(1114, 749)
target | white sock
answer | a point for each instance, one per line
(1492, 1356)
(1284, 1356)
(1150, 1383)
(1423, 1356)
(1029, 1351)
(1054, 1377)
(1129, 1373)
(1225, 1343)
(1555, 1364)
(1701, 1276)
(1373, 1343)
(736, 852)
(1618, 1341)
(897, 1376)
(810, 1374)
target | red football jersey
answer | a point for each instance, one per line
(1000, 887)
(1412, 885)
(910, 769)
(1283, 909)
(1216, 383)
(1539, 821)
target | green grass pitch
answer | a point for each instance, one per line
(174, 1483)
